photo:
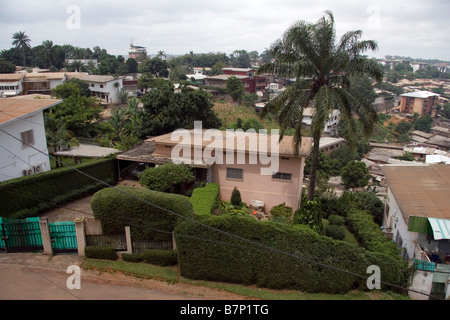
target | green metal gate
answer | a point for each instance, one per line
(20, 235)
(24, 235)
(63, 237)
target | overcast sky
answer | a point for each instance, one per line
(415, 28)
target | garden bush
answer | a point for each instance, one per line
(205, 200)
(334, 219)
(285, 261)
(97, 252)
(151, 214)
(162, 258)
(281, 213)
(336, 232)
(132, 257)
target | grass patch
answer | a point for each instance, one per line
(143, 270)
(170, 275)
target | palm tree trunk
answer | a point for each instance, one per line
(313, 172)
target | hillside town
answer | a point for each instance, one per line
(67, 111)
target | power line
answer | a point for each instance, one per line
(259, 245)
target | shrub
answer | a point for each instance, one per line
(336, 220)
(221, 257)
(146, 210)
(336, 232)
(236, 197)
(166, 178)
(95, 252)
(162, 258)
(205, 199)
(132, 257)
(281, 213)
(309, 214)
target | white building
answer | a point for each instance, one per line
(11, 84)
(106, 88)
(23, 145)
(331, 126)
(418, 218)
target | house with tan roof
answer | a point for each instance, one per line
(265, 170)
(23, 145)
(417, 216)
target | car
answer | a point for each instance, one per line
(137, 170)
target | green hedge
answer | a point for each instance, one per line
(119, 207)
(223, 258)
(370, 234)
(95, 252)
(162, 258)
(28, 196)
(205, 199)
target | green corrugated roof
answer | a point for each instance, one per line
(419, 224)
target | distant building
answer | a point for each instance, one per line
(22, 135)
(137, 52)
(331, 126)
(104, 87)
(422, 102)
(252, 83)
(11, 84)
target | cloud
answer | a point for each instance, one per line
(406, 27)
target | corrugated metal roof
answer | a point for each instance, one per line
(441, 228)
(421, 191)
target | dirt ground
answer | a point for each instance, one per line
(37, 276)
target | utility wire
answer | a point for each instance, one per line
(218, 230)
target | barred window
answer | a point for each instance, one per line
(27, 138)
(282, 176)
(236, 174)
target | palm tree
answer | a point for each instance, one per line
(48, 53)
(58, 137)
(323, 70)
(21, 41)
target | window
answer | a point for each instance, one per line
(235, 174)
(282, 176)
(27, 138)
(101, 86)
(92, 85)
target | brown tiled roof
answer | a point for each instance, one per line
(420, 190)
(21, 106)
(285, 145)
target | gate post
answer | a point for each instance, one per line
(128, 239)
(46, 238)
(81, 235)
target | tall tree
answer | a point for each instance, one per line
(48, 53)
(322, 68)
(22, 42)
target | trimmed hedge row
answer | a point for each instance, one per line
(225, 258)
(28, 196)
(369, 233)
(97, 252)
(122, 206)
(162, 258)
(205, 199)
